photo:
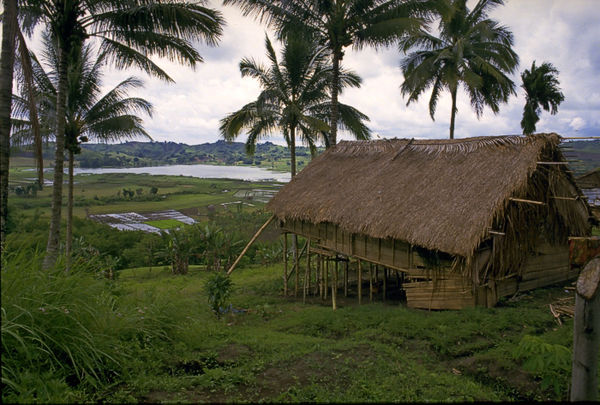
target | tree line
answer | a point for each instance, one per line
(300, 90)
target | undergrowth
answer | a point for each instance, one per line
(66, 334)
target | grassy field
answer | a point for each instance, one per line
(104, 193)
(279, 349)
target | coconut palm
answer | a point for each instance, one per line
(89, 115)
(294, 99)
(339, 24)
(541, 91)
(130, 31)
(9, 28)
(471, 50)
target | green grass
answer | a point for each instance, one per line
(282, 350)
(164, 223)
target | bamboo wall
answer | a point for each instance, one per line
(440, 288)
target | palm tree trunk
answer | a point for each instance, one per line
(293, 150)
(69, 237)
(54, 233)
(9, 27)
(453, 113)
(335, 83)
(31, 102)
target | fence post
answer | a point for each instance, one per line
(586, 334)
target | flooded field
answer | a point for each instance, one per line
(133, 221)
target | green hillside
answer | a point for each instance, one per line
(160, 153)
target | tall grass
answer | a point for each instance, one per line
(66, 333)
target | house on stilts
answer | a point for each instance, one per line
(459, 223)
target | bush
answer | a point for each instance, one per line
(549, 362)
(218, 288)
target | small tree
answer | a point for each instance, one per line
(218, 289)
(179, 247)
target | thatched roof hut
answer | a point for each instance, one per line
(446, 196)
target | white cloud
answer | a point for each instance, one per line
(577, 123)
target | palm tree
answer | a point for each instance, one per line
(9, 28)
(339, 24)
(89, 116)
(471, 50)
(541, 91)
(130, 31)
(294, 99)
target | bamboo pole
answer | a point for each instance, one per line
(299, 257)
(306, 272)
(359, 281)
(370, 283)
(334, 285)
(320, 275)
(256, 235)
(296, 265)
(285, 265)
(526, 201)
(345, 279)
(384, 283)
(552, 163)
(326, 286)
(586, 334)
(308, 268)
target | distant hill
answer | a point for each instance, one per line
(131, 154)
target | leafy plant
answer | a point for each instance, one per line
(550, 362)
(218, 289)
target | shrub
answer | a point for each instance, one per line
(218, 289)
(550, 362)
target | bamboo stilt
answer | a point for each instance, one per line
(256, 235)
(370, 283)
(297, 278)
(334, 287)
(384, 283)
(285, 265)
(306, 272)
(326, 286)
(308, 269)
(345, 279)
(359, 281)
(320, 274)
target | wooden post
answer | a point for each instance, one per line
(326, 286)
(308, 269)
(334, 285)
(345, 279)
(370, 283)
(320, 275)
(285, 265)
(306, 272)
(359, 282)
(586, 334)
(297, 278)
(384, 283)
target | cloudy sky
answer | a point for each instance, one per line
(565, 33)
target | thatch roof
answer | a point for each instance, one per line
(440, 194)
(590, 179)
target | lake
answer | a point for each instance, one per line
(202, 171)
